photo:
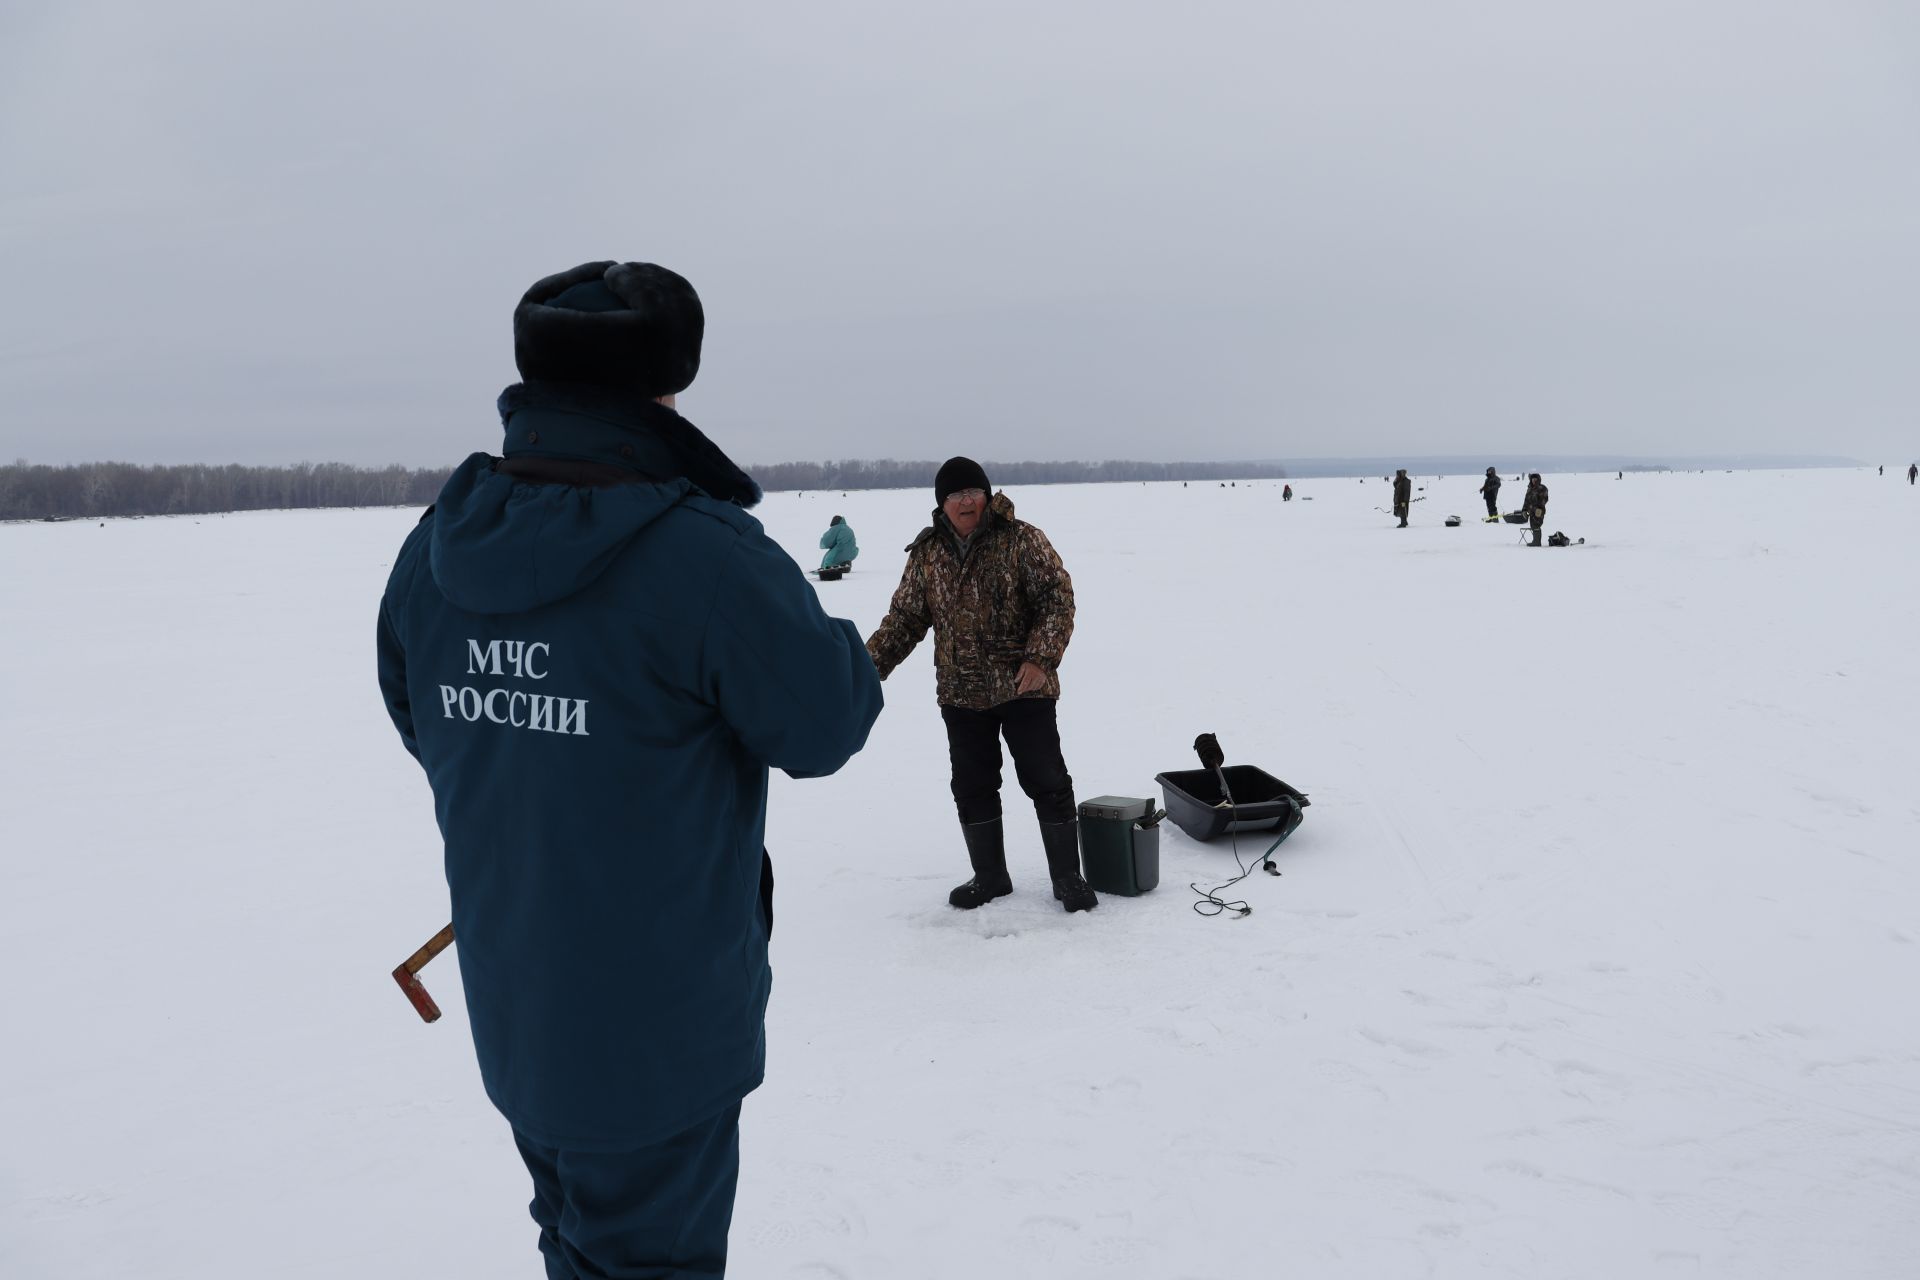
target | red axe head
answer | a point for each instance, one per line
(407, 975)
(429, 1011)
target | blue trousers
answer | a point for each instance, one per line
(659, 1213)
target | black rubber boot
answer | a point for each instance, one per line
(1062, 841)
(987, 851)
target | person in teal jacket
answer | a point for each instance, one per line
(596, 654)
(839, 545)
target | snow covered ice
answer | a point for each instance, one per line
(1594, 956)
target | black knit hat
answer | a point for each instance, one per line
(630, 325)
(957, 474)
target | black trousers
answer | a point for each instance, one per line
(1033, 735)
(1493, 504)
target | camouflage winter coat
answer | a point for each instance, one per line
(1007, 600)
(1535, 503)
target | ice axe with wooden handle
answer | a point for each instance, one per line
(407, 975)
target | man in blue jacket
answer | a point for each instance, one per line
(596, 655)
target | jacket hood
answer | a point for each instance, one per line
(504, 546)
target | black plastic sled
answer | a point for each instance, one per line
(1261, 802)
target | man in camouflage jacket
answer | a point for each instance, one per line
(1535, 505)
(1000, 605)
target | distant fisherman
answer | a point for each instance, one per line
(1402, 495)
(1535, 506)
(839, 544)
(1490, 490)
(1913, 470)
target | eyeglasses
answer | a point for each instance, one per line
(967, 495)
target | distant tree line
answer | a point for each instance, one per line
(29, 492)
(889, 474)
(98, 489)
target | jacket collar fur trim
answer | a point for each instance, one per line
(998, 515)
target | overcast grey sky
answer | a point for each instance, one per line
(266, 232)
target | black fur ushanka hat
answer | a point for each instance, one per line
(631, 325)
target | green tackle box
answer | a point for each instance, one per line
(1120, 844)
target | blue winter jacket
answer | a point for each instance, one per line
(596, 681)
(839, 545)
